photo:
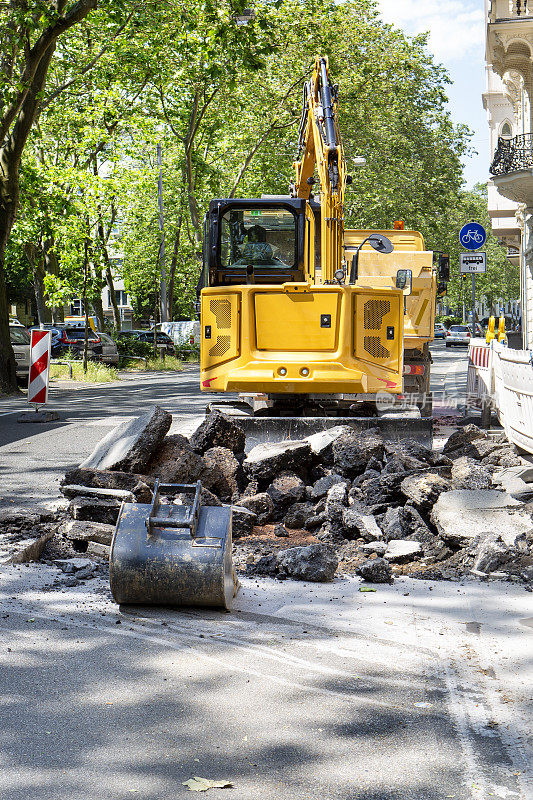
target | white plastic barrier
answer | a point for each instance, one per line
(479, 385)
(515, 396)
(183, 333)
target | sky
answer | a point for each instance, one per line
(457, 40)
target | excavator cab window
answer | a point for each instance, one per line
(261, 238)
(254, 241)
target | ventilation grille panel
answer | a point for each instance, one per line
(221, 310)
(221, 346)
(375, 311)
(375, 348)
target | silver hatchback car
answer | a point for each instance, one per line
(459, 335)
(20, 342)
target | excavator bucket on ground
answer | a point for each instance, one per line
(170, 554)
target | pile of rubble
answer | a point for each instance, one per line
(338, 502)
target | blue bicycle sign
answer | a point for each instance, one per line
(473, 236)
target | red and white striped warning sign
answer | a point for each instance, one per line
(39, 367)
(480, 355)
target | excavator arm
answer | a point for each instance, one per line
(321, 149)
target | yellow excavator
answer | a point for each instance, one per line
(283, 316)
(300, 316)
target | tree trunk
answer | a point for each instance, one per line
(173, 267)
(113, 295)
(109, 275)
(34, 257)
(43, 313)
(51, 265)
(99, 311)
(9, 193)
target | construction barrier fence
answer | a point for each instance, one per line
(503, 378)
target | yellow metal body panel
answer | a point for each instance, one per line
(288, 321)
(221, 315)
(278, 344)
(402, 240)
(379, 271)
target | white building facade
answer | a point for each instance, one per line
(508, 101)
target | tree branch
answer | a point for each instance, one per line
(42, 46)
(91, 63)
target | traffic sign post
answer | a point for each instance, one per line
(473, 236)
(473, 263)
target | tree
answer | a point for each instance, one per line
(29, 33)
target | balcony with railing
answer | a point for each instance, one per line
(510, 9)
(512, 168)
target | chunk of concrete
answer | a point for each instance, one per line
(130, 446)
(227, 472)
(260, 504)
(380, 548)
(285, 490)
(353, 451)
(266, 461)
(322, 443)
(375, 570)
(470, 474)
(316, 562)
(243, 522)
(139, 485)
(492, 553)
(104, 494)
(82, 531)
(400, 551)
(88, 509)
(462, 516)
(357, 525)
(218, 430)
(322, 486)
(424, 489)
(20, 549)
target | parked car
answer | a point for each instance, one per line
(101, 347)
(55, 330)
(440, 330)
(479, 330)
(164, 342)
(20, 341)
(459, 335)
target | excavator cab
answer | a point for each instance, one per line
(254, 241)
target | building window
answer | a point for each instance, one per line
(507, 131)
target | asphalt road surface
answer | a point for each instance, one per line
(303, 692)
(34, 458)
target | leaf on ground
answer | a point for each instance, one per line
(197, 784)
(367, 589)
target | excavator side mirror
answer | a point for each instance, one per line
(404, 281)
(381, 244)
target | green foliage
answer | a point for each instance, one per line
(96, 373)
(224, 100)
(128, 346)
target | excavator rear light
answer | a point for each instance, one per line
(414, 369)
